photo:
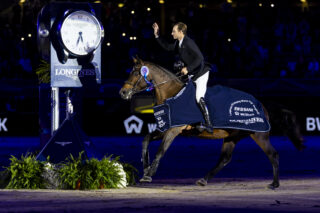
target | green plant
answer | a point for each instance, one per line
(70, 172)
(76, 173)
(43, 72)
(109, 173)
(25, 173)
(105, 173)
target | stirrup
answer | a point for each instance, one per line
(208, 128)
(203, 127)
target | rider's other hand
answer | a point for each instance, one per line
(184, 71)
(155, 29)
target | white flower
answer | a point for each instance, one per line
(123, 181)
(48, 166)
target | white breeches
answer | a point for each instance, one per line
(201, 86)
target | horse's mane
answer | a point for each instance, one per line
(167, 72)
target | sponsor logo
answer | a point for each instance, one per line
(63, 143)
(244, 112)
(161, 122)
(73, 71)
(248, 121)
(133, 123)
(152, 127)
(159, 113)
(3, 124)
(312, 124)
(243, 108)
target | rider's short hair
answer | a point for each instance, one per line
(182, 27)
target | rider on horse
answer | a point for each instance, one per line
(193, 61)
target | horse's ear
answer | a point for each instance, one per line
(139, 59)
(135, 61)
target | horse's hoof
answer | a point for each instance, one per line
(146, 179)
(273, 185)
(201, 182)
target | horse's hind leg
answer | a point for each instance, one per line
(165, 144)
(156, 135)
(262, 139)
(225, 157)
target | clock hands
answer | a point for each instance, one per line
(80, 38)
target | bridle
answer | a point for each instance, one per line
(135, 85)
(149, 83)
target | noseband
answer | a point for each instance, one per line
(135, 85)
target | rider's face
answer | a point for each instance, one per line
(176, 34)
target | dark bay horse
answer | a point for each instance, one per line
(168, 85)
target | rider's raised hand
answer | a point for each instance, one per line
(155, 29)
(184, 71)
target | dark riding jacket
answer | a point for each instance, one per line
(189, 54)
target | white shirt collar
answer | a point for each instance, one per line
(180, 42)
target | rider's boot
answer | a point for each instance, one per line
(204, 110)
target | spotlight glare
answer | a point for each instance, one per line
(131, 38)
(120, 5)
(108, 44)
(260, 4)
(132, 12)
(161, 1)
(134, 38)
(229, 1)
(229, 39)
(29, 35)
(149, 9)
(272, 5)
(22, 38)
(123, 34)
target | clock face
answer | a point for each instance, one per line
(81, 33)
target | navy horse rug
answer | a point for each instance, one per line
(228, 108)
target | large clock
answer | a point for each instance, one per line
(80, 33)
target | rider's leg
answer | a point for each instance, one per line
(201, 88)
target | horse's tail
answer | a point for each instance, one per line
(284, 122)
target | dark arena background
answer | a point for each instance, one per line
(270, 49)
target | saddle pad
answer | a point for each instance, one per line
(228, 108)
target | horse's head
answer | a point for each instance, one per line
(135, 82)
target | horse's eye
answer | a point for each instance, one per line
(135, 73)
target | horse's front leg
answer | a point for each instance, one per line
(168, 137)
(156, 135)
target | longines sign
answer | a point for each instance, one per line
(70, 76)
